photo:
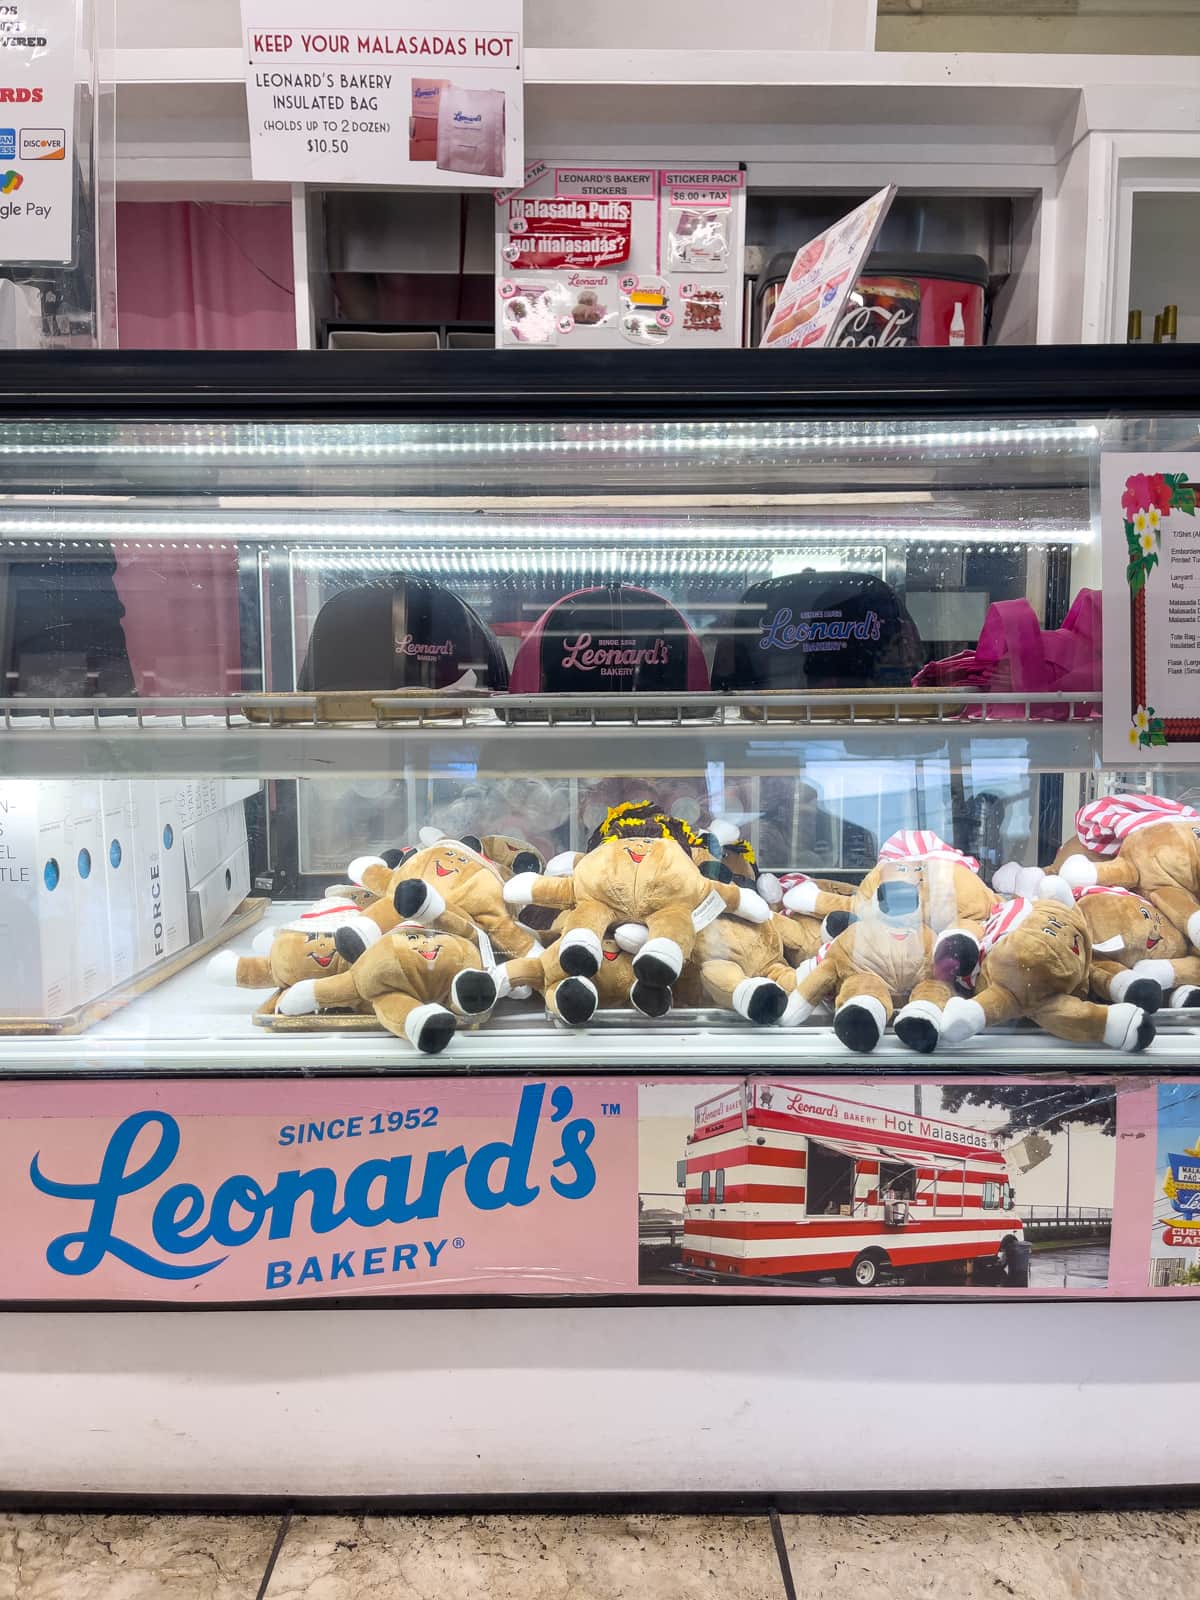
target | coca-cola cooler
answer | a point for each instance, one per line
(899, 299)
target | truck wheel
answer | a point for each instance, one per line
(1015, 1257)
(864, 1274)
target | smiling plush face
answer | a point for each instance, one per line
(447, 865)
(1047, 953)
(1127, 929)
(639, 876)
(296, 955)
(426, 944)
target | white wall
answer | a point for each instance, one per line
(629, 24)
(1166, 250)
(544, 1400)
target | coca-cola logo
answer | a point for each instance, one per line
(875, 326)
(408, 646)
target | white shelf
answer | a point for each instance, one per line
(551, 734)
(190, 1025)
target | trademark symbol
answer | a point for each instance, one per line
(460, 1243)
(611, 1108)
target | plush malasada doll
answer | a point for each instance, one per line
(1149, 845)
(1137, 955)
(303, 948)
(572, 998)
(649, 880)
(814, 929)
(750, 967)
(1037, 964)
(747, 967)
(424, 885)
(418, 981)
(882, 961)
(501, 849)
(955, 900)
(718, 849)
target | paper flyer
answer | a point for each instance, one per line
(808, 311)
(1150, 551)
(410, 94)
(591, 257)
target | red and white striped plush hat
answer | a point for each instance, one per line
(920, 844)
(792, 880)
(1102, 825)
(1009, 914)
(1107, 888)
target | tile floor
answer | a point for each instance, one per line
(1061, 1556)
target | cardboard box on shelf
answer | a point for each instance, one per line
(119, 883)
(85, 866)
(215, 897)
(161, 889)
(174, 869)
(197, 798)
(37, 975)
(212, 840)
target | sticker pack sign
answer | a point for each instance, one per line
(410, 94)
(37, 118)
(1150, 533)
(594, 257)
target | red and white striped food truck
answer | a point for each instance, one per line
(785, 1180)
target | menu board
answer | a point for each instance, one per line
(1151, 568)
(591, 257)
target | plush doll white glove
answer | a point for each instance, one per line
(518, 891)
(298, 1001)
(961, 1020)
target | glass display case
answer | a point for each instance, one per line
(606, 684)
(711, 574)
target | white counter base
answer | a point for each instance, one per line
(566, 1400)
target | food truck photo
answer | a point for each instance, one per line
(788, 1182)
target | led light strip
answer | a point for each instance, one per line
(174, 532)
(322, 441)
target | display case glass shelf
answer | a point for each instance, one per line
(298, 613)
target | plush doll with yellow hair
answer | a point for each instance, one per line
(955, 900)
(305, 947)
(443, 877)
(883, 960)
(1137, 955)
(419, 982)
(1037, 963)
(651, 880)
(718, 849)
(1146, 844)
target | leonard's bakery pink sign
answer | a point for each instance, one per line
(208, 1192)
